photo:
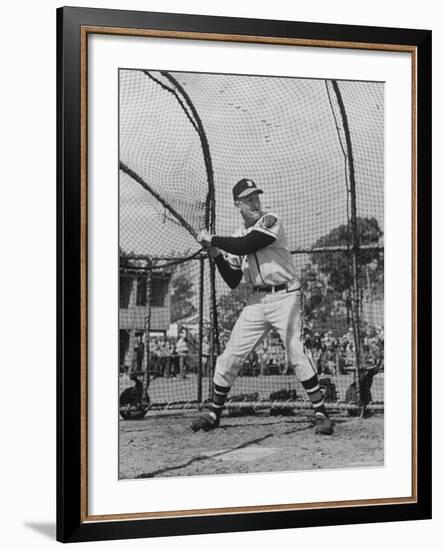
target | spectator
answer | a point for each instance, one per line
(262, 356)
(182, 352)
(154, 358)
(205, 356)
(329, 342)
(374, 348)
(341, 351)
(169, 353)
(175, 367)
(350, 348)
(250, 366)
(308, 339)
(316, 349)
(349, 336)
(276, 362)
(223, 340)
(138, 356)
(162, 356)
(316, 342)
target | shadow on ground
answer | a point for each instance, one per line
(45, 529)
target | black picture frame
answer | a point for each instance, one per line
(73, 523)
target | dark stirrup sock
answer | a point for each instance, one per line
(220, 394)
(312, 387)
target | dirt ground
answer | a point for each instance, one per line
(165, 446)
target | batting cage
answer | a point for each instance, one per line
(316, 148)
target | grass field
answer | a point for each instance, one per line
(163, 445)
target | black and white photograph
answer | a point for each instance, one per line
(251, 274)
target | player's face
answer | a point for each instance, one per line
(250, 207)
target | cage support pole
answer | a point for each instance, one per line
(146, 355)
(210, 217)
(355, 291)
(200, 330)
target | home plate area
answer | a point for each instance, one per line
(242, 455)
(165, 446)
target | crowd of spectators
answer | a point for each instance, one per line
(171, 357)
(336, 354)
(332, 354)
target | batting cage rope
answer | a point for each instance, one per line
(316, 148)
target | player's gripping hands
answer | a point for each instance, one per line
(204, 238)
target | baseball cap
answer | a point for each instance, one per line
(244, 187)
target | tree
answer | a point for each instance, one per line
(322, 304)
(127, 259)
(181, 297)
(231, 304)
(337, 266)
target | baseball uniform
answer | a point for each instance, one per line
(275, 301)
(258, 252)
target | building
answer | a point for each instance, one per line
(134, 310)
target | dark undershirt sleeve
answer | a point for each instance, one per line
(241, 246)
(231, 276)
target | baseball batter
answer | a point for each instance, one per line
(258, 252)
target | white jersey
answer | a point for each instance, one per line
(273, 264)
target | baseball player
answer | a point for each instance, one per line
(258, 252)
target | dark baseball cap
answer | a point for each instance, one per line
(243, 188)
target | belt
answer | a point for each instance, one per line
(272, 288)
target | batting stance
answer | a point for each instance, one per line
(258, 252)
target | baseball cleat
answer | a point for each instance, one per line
(323, 425)
(206, 422)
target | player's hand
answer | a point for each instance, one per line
(213, 251)
(204, 238)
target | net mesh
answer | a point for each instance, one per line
(159, 143)
(288, 135)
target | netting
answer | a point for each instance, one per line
(159, 144)
(288, 135)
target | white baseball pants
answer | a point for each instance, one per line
(281, 311)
